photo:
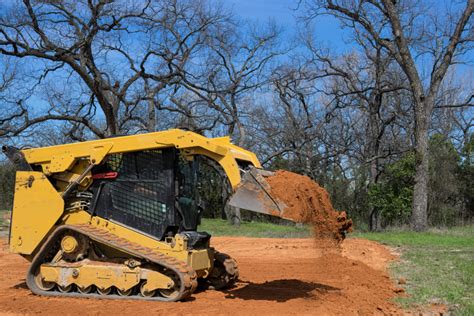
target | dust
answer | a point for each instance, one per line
(308, 202)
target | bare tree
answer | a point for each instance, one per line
(292, 125)
(122, 56)
(66, 34)
(453, 115)
(399, 27)
(180, 34)
(364, 82)
(235, 65)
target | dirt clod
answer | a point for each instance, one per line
(399, 290)
(308, 202)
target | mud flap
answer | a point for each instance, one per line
(254, 194)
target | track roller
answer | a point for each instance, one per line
(125, 292)
(104, 291)
(43, 285)
(85, 290)
(225, 272)
(146, 293)
(65, 289)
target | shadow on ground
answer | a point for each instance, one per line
(276, 290)
(279, 290)
(21, 285)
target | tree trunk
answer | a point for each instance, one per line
(242, 134)
(233, 215)
(111, 121)
(375, 220)
(237, 219)
(419, 218)
(307, 160)
(109, 104)
(151, 121)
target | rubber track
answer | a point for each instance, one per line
(230, 268)
(187, 275)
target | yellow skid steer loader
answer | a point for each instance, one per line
(118, 217)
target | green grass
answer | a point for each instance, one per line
(438, 266)
(219, 227)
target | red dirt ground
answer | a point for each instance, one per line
(278, 276)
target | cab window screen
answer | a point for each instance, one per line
(142, 195)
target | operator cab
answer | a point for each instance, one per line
(155, 192)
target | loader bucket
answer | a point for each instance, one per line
(254, 194)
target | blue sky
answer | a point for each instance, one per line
(281, 10)
(326, 30)
(284, 13)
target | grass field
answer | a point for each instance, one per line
(438, 266)
(219, 227)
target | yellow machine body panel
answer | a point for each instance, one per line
(103, 276)
(60, 158)
(200, 260)
(36, 208)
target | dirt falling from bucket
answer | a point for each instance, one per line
(307, 202)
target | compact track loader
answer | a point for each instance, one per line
(118, 217)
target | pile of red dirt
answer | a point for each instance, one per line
(307, 202)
